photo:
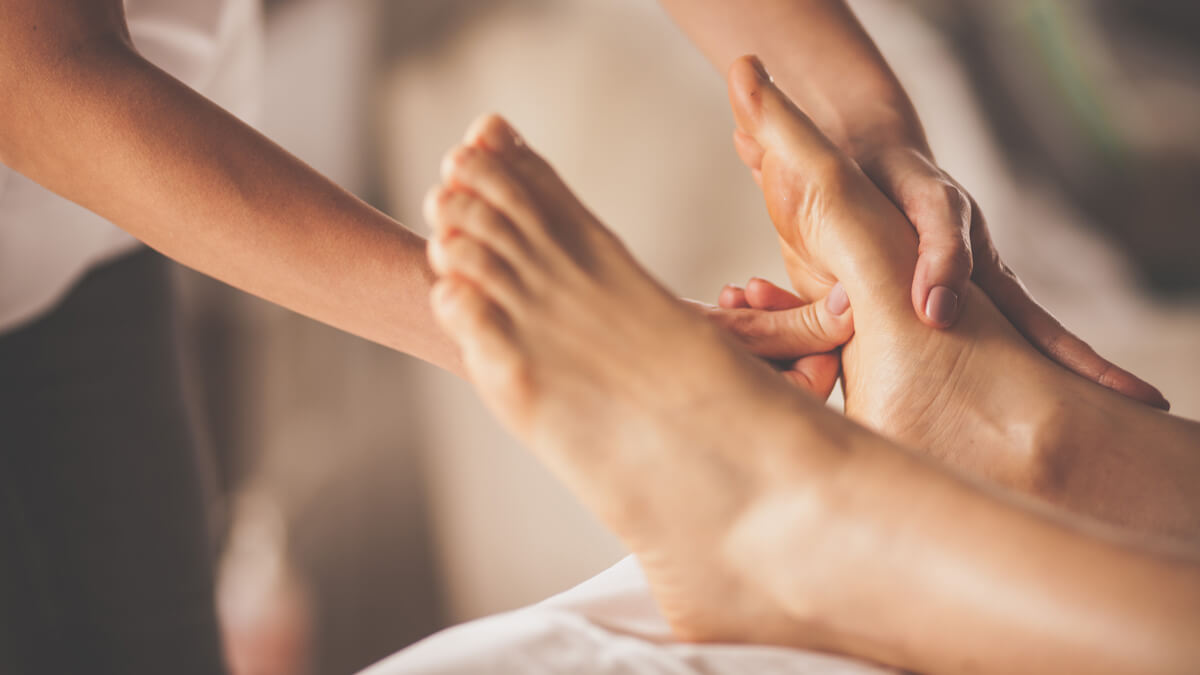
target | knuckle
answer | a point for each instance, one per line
(941, 198)
(748, 324)
(807, 323)
(1108, 375)
(947, 254)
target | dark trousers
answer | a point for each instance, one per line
(105, 555)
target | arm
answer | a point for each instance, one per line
(824, 60)
(85, 116)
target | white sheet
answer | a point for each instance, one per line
(605, 626)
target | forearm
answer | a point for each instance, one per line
(820, 56)
(106, 129)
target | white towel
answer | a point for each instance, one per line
(607, 625)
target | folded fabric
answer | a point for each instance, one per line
(605, 626)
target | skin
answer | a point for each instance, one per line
(978, 398)
(858, 103)
(87, 117)
(782, 522)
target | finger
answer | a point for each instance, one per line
(941, 212)
(816, 374)
(733, 297)
(943, 225)
(1052, 339)
(762, 294)
(814, 328)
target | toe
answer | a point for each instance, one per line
(490, 349)
(464, 310)
(495, 135)
(803, 175)
(771, 129)
(478, 325)
(767, 116)
(504, 190)
(454, 209)
(461, 255)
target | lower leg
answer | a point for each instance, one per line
(977, 397)
(758, 514)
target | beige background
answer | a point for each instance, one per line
(407, 505)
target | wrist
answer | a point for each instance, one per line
(889, 132)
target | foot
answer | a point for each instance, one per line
(977, 397)
(610, 380)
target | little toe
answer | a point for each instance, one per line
(491, 349)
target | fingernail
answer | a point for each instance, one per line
(941, 305)
(837, 302)
(760, 69)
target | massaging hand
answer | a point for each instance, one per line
(955, 247)
(800, 339)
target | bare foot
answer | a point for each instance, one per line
(977, 397)
(757, 514)
(569, 342)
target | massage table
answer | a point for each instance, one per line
(607, 625)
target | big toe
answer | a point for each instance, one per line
(495, 133)
(767, 117)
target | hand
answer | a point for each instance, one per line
(955, 247)
(799, 339)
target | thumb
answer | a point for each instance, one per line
(813, 328)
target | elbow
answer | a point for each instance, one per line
(44, 82)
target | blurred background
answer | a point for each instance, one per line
(368, 500)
